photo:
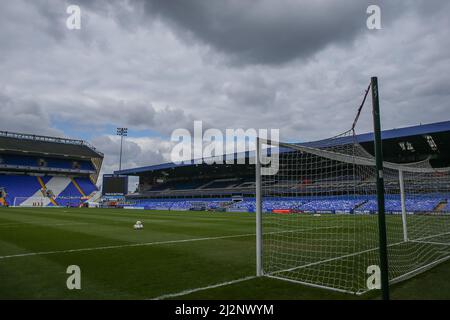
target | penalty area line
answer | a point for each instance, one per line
(189, 291)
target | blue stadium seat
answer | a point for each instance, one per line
(19, 186)
(334, 204)
(33, 161)
(86, 185)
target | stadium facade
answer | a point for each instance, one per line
(46, 171)
(204, 186)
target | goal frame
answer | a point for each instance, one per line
(37, 200)
(382, 248)
(44, 200)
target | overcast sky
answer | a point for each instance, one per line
(155, 66)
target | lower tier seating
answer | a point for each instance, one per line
(24, 190)
(335, 204)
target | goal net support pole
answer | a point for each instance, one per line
(331, 213)
(380, 190)
(403, 204)
(258, 209)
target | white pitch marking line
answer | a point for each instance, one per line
(36, 224)
(418, 240)
(432, 236)
(188, 291)
(222, 284)
(122, 246)
(144, 244)
(431, 242)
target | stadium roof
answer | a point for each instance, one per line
(422, 129)
(20, 142)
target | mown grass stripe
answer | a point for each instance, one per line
(124, 246)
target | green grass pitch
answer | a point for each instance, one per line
(175, 252)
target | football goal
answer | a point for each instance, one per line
(46, 201)
(30, 201)
(318, 216)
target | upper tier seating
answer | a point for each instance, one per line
(217, 184)
(32, 161)
(179, 185)
(187, 185)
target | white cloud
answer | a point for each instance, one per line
(124, 68)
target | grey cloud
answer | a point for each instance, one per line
(138, 115)
(27, 116)
(265, 31)
(252, 92)
(303, 71)
(134, 155)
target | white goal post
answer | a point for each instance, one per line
(46, 201)
(30, 201)
(316, 218)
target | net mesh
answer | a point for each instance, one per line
(30, 201)
(46, 201)
(320, 223)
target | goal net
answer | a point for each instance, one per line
(30, 201)
(320, 216)
(46, 201)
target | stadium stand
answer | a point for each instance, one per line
(19, 186)
(412, 205)
(323, 205)
(86, 186)
(331, 204)
(18, 161)
(188, 184)
(46, 171)
(221, 183)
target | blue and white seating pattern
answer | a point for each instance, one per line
(333, 204)
(344, 205)
(412, 205)
(180, 205)
(33, 161)
(21, 189)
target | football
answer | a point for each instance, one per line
(138, 225)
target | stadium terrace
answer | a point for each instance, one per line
(167, 185)
(39, 171)
(318, 216)
(319, 212)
